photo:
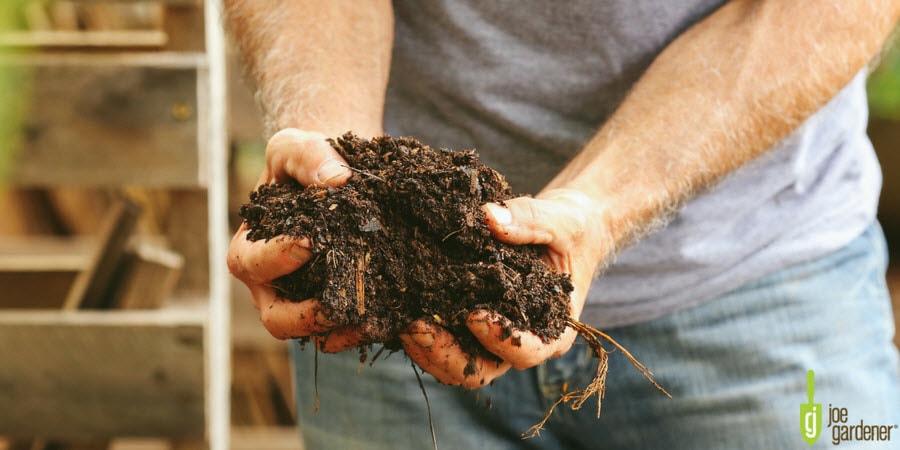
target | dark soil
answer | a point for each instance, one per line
(405, 239)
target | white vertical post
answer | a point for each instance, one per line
(218, 339)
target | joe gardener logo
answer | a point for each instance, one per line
(843, 429)
(810, 413)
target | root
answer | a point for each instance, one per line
(363, 172)
(316, 403)
(597, 387)
(427, 405)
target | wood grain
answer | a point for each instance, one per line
(85, 375)
(111, 120)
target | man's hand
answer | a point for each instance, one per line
(558, 219)
(569, 224)
(309, 159)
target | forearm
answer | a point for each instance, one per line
(316, 65)
(720, 95)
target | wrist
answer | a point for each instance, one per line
(596, 227)
(633, 196)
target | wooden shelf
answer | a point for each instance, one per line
(38, 272)
(105, 38)
(113, 120)
(44, 253)
(96, 374)
(101, 115)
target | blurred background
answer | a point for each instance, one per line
(105, 188)
(106, 148)
(884, 131)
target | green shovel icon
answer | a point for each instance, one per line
(810, 413)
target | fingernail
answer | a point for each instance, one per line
(299, 254)
(500, 214)
(331, 170)
(425, 340)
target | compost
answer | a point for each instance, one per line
(405, 239)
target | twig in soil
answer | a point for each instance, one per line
(452, 233)
(361, 285)
(362, 172)
(427, 405)
(578, 397)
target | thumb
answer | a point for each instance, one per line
(523, 220)
(305, 156)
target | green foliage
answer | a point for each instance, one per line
(14, 83)
(884, 86)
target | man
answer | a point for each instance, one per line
(711, 154)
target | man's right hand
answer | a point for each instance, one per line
(309, 159)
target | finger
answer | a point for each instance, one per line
(519, 221)
(285, 319)
(339, 339)
(265, 260)
(436, 351)
(526, 220)
(520, 349)
(306, 157)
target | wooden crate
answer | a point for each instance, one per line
(115, 116)
(38, 272)
(88, 375)
(113, 120)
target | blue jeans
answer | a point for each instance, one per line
(736, 367)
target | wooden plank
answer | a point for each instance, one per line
(36, 17)
(148, 279)
(110, 120)
(128, 15)
(44, 253)
(64, 14)
(26, 211)
(278, 363)
(186, 228)
(252, 402)
(35, 290)
(100, 15)
(104, 38)
(91, 288)
(266, 438)
(47, 444)
(258, 396)
(88, 375)
(183, 25)
(76, 210)
(38, 272)
(216, 172)
(140, 444)
(160, 60)
(168, 2)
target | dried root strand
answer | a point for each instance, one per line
(593, 336)
(363, 172)
(427, 406)
(597, 387)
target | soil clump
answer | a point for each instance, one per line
(405, 239)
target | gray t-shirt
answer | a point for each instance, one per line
(528, 82)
